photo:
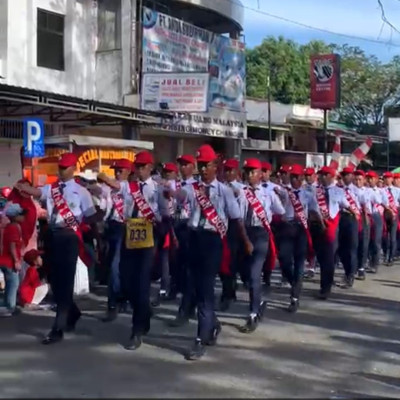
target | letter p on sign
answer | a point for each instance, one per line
(33, 137)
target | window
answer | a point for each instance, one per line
(50, 40)
(109, 25)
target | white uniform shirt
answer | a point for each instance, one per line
(352, 191)
(223, 200)
(307, 200)
(376, 198)
(111, 212)
(269, 185)
(78, 199)
(395, 193)
(152, 193)
(270, 202)
(337, 200)
(364, 198)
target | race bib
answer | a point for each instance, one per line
(139, 233)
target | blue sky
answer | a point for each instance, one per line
(351, 17)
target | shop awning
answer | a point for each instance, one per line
(96, 141)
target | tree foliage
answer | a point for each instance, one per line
(369, 87)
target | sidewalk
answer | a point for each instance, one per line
(343, 348)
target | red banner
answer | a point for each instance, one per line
(325, 81)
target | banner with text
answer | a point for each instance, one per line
(183, 92)
(172, 45)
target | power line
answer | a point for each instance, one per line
(303, 25)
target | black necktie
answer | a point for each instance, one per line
(297, 193)
(265, 185)
(135, 212)
(327, 196)
(62, 187)
(184, 183)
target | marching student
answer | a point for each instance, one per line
(114, 234)
(350, 225)
(68, 205)
(257, 212)
(378, 202)
(213, 205)
(182, 280)
(144, 215)
(330, 199)
(391, 217)
(294, 241)
(231, 174)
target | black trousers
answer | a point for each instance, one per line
(61, 252)
(325, 251)
(348, 243)
(180, 262)
(205, 261)
(389, 242)
(292, 248)
(375, 242)
(255, 263)
(363, 243)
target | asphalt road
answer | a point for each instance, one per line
(347, 347)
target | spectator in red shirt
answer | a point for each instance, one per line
(32, 290)
(11, 243)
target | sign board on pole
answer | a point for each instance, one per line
(33, 137)
(325, 81)
(179, 92)
(394, 129)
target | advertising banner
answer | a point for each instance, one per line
(172, 45)
(227, 70)
(183, 92)
(325, 81)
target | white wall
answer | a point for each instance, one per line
(102, 76)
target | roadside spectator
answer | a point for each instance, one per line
(11, 244)
(33, 290)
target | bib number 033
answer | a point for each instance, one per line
(139, 233)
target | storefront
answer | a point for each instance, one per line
(95, 154)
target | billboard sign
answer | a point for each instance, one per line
(180, 92)
(33, 137)
(172, 45)
(325, 81)
(227, 68)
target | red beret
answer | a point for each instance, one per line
(359, 172)
(144, 157)
(309, 171)
(31, 256)
(122, 163)
(372, 174)
(396, 175)
(170, 167)
(284, 168)
(296, 169)
(347, 170)
(206, 153)
(387, 174)
(5, 191)
(252, 163)
(231, 163)
(266, 166)
(186, 158)
(67, 160)
(328, 170)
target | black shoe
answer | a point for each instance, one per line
(216, 331)
(180, 320)
(309, 274)
(160, 298)
(389, 263)
(53, 337)
(111, 315)
(197, 351)
(347, 282)
(224, 304)
(250, 325)
(371, 270)
(323, 295)
(361, 275)
(135, 341)
(261, 312)
(294, 305)
(71, 324)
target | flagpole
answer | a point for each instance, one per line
(325, 137)
(388, 153)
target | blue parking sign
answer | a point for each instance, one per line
(33, 137)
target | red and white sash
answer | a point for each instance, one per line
(118, 204)
(141, 203)
(69, 219)
(353, 207)
(392, 203)
(331, 224)
(258, 209)
(211, 215)
(301, 215)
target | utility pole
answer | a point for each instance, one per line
(269, 110)
(325, 137)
